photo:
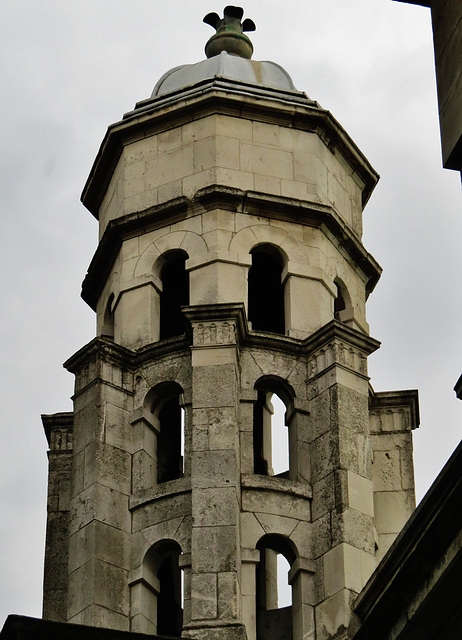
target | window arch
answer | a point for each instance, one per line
(266, 290)
(164, 407)
(162, 589)
(271, 445)
(108, 320)
(273, 620)
(342, 302)
(174, 294)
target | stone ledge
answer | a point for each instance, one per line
(160, 492)
(274, 483)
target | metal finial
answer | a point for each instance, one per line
(229, 36)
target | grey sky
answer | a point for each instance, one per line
(70, 69)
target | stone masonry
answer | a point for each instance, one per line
(144, 535)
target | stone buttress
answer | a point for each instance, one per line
(229, 273)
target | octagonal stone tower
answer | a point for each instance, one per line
(229, 270)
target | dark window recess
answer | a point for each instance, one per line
(169, 610)
(169, 458)
(272, 621)
(260, 464)
(266, 294)
(339, 304)
(175, 294)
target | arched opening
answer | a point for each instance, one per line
(266, 290)
(108, 320)
(165, 412)
(163, 580)
(174, 295)
(342, 302)
(271, 446)
(170, 440)
(273, 601)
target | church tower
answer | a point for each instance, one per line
(229, 277)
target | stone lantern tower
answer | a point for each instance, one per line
(230, 270)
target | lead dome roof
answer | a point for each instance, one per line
(228, 67)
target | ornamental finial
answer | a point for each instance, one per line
(229, 36)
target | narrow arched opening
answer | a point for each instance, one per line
(163, 578)
(170, 463)
(174, 295)
(271, 447)
(266, 290)
(107, 330)
(342, 302)
(273, 598)
(165, 413)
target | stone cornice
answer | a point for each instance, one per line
(108, 351)
(384, 401)
(63, 420)
(120, 356)
(336, 329)
(217, 98)
(215, 196)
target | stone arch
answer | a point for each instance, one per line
(163, 411)
(269, 432)
(189, 242)
(246, 239)
(107, 329)
(273, 621)
(170, 269)
(266, 303)
(156, 596)
(343, 309)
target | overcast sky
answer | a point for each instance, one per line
(69, 69)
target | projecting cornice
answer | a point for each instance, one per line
(215, 196)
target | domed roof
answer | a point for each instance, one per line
(228, 67)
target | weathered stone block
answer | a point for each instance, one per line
(346, 567)
(354, 528)
(214, 469)
(392, 510)
(215, 507)
(214, 387)
(323, 496)
(108, 466)
(276, 503)
(213, 549)
(386, 470)
(100, 503)
(101, 541)
(204, 596)
(360, 494)
(161, 510)
(228, 596)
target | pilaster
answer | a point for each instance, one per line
(100, 521)
(343, 516)
(215, 473)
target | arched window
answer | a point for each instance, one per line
(169, 441)
(108, 320)
(266, 290)
(162, 589)
(174, 295)
(270, 431)
(273, 615)
(342, 302)
(163, 410)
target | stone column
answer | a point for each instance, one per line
(342, 508)
(58, 429)
(100, 523)
(215, 474)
